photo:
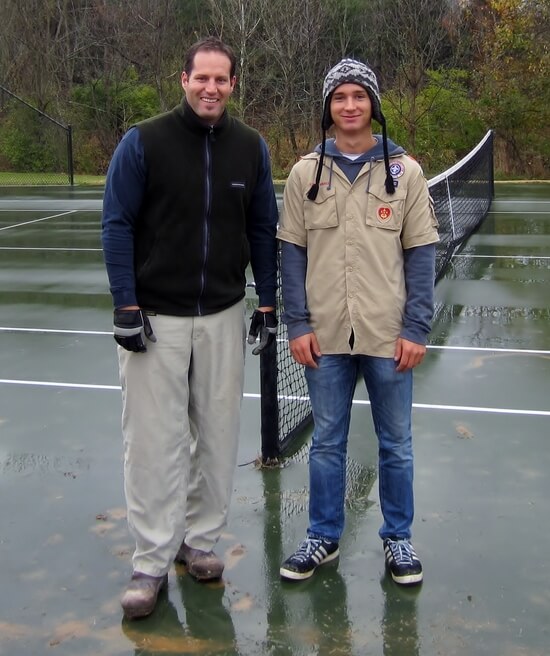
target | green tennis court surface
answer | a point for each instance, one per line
(481, 425)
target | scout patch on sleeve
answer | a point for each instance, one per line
(397, 169)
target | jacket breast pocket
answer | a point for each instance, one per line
(321, 212)
(386, 210)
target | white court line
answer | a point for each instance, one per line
(8, 329)
(247, 395)
(12, 210)
(433, 406)
(47, 383)
(487, 349)
(53, 216)
(505, 257)
(510, 212)
(48, 248)
(469, 408)
(484, 349)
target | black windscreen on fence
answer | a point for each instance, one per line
(462, 197)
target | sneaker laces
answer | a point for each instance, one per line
(306, 548)
(402, 551)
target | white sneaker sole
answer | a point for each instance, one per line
(300, 576)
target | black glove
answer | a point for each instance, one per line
(264, 323)
(130, 329)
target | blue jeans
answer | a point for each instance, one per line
(331, 389)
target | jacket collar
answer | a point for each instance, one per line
(195, 123)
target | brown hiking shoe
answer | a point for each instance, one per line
(202, 565)
(140, 597)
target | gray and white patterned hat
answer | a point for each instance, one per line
(351, 71)
(346, 71)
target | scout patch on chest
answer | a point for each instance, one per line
(384, 213)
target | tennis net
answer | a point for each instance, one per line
(462, 197)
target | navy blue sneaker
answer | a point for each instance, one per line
(402, 561)
(311, 553)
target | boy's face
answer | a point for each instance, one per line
(351, 108)
(209, 84)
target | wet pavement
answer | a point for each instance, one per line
(481, 426)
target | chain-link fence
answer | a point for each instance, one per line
(35, 149)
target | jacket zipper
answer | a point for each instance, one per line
(207, 208)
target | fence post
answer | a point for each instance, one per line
(70, 154)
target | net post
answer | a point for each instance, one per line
(269, 403)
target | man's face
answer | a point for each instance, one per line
(209, 85)
(351, 108)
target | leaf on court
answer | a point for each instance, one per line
(11, 631)
(243, 604)
(463, 432)
(117, 513)
(69, 631)
(234, 555)
(269, 463)
(103, 528)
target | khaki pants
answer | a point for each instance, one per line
(180, 424)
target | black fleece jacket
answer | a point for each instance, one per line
(206, 207)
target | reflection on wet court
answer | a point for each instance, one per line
(481, 423)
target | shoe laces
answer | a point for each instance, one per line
(306, 548)
(402, 551)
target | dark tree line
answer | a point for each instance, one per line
(448, 70)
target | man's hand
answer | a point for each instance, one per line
(131, 327)
(264, 324)
(305, 350)
(408, 354)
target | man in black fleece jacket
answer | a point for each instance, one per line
(189, 201)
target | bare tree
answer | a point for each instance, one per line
(237, 21)
(39, 40)
(295, 38)
(406, 39)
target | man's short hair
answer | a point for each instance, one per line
(209, 44)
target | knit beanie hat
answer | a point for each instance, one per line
(355, 72)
